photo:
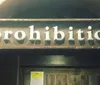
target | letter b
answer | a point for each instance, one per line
(59, 36)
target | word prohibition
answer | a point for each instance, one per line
(58, 35)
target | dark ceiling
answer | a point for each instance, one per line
(50, 9)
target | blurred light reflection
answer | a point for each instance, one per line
(1, 1)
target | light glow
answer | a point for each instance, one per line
(2, 1)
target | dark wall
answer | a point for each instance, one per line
(8, 69)
(44, 58)
(61, 57)
(50, 9)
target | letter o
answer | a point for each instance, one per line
(96, 35)
(23, 35)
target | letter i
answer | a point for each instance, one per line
(71, 34)
(47, 34)
(89, 33)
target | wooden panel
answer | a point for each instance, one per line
(66, 76)
(74, 80)
(84, 80)
(77, 80)
(66, 79)
(50, 79)
(71, 79)
(61, 79)
(93, 80)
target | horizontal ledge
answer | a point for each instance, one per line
(50, 19)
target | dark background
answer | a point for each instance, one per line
(12, 60)
(50, 9)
